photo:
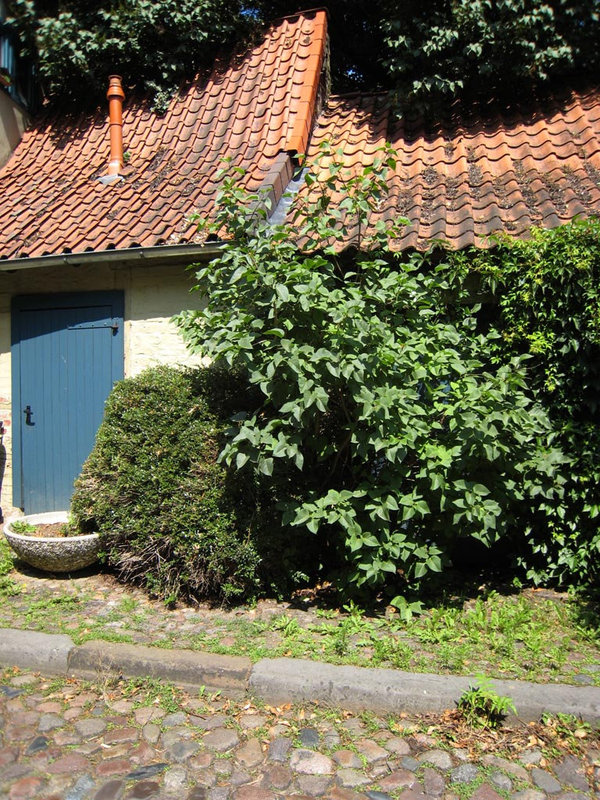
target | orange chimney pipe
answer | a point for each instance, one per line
(115, 96)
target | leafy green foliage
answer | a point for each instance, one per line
(378, 398)
(572, 732)
(548, 302)
(482, 707)
(20, 526)
(168, 517)
(6, 558)
(154, 45)
(486, 49)
(428, 52)
(8, 586)
(515, 631)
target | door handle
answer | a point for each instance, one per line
(28, 414)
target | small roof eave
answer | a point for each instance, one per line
(176, 253)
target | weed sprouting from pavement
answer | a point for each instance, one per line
(151, 691)
(567, 732)
(531, 635)
(483, 707)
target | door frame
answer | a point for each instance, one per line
(115, 298)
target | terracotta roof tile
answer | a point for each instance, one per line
(249, 110)
(465, 179)
(476, 176)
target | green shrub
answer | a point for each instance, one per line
(546, 294)
(8, 586)
(171, 518)
(374, 387)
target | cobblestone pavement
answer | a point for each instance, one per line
(65, 740)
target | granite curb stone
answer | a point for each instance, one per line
(187, 668)
(283, 680)
(47, 652)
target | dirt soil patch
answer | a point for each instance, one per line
(54, 530)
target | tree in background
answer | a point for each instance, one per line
(488, 49)
(432, 51)
(427, 53)
(76, 44)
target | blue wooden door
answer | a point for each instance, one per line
(67, 354)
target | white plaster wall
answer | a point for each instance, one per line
(152, 296)
(150, 336)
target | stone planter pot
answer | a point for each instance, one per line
(53, 553)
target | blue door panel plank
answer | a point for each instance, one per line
(67, 356)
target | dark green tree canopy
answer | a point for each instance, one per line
(428, 52)
(482, 49)
(76, 44)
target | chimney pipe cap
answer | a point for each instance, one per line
(115, 89)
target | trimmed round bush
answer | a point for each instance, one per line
(170, 518)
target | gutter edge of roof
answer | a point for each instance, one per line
(179, 253)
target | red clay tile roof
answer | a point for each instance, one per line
(259, 105)
(504, 172)
(473, 178)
